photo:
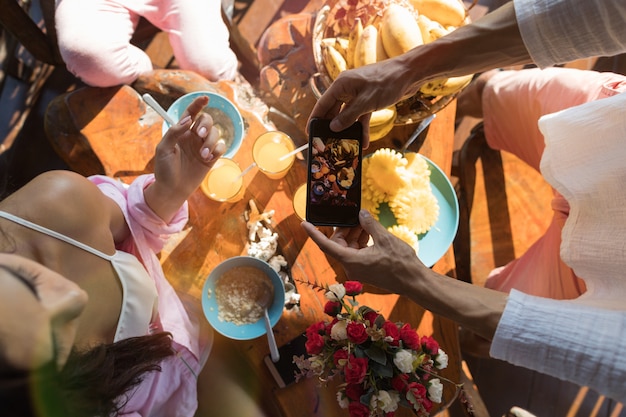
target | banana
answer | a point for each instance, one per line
(430, 29)
(381, 55)
(353, 38)
(341, 44)
(399, 30)
(446, 86)
(445, 12)
(380, 131)
(365, 51)
(333, 61)
(381, 122)
(383, 116)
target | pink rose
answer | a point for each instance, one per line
(332, 308)
(314, 344)
(391, 330)
(356, 370)
(419, 392)
(353, 287)
(357, 332)
(409, 337)
(430, 345)
(356, 409)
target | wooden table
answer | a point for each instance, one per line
(114, 128)
(217, 231)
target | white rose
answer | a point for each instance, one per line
(342, 400)
(403, 360)
(435, 390)
(339, 332)
(336, 292)
(385, 400)
(442, 359)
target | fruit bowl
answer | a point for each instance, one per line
(336, 22)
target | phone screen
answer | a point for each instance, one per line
(284, 371)
(334, 174)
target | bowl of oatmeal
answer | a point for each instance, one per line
(232, 295)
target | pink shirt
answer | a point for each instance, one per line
(173, 391)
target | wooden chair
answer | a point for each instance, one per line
(474, 149)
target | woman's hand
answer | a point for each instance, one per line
(183, 158)
(389, 263)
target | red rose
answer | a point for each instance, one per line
(427, 404)
(400, 382)
(418, 391)
(314, 344)
(338, 355)
(356, 409)
(354, 391)
(370, 316)
(409, 337)
(353, 287)
(391, 330)
(430, 345)
(316, 328)
(355, 370)
(357, 332)
(332, 308)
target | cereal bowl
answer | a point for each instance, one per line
(211, 304)
(225, 114)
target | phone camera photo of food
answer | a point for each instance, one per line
(333, 172)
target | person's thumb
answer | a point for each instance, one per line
(371, 225)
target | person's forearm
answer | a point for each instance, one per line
(164, 204)
(491, 42)
(475, 308)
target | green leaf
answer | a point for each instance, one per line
(381, 371)
(377, 354)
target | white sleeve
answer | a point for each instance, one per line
(565, 339)
(560, 31)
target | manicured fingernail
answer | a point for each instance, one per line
(184, 120)
(202, 132)
(205, 153)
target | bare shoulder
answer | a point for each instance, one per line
(61, 200)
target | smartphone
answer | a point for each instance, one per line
(334, 174)
(284, 371)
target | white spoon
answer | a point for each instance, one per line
(157, 107)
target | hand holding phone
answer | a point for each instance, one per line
(334, 174)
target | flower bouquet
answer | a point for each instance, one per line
(383, 365)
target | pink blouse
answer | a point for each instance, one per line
(173, 391)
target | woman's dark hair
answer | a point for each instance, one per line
(95, 382)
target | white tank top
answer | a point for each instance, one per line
(139, 294)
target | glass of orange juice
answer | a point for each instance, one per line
(299, 202)
(268, 150)
(224, 181)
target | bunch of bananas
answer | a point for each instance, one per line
(402, 26)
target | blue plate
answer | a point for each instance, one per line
(434, 243)
(224, 113)
(244, 331)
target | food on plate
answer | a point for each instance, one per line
(238, 291)
(400, 183)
